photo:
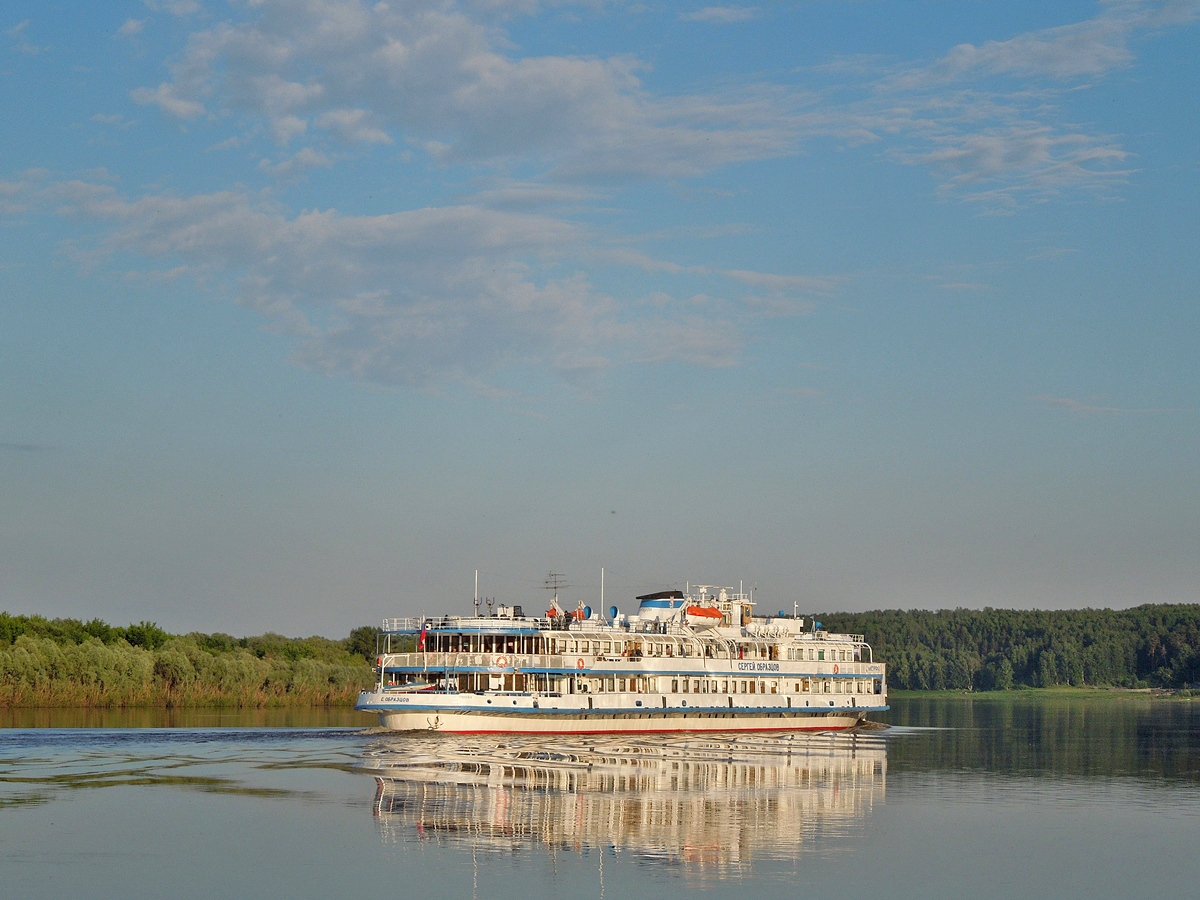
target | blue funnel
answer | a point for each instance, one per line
(612, 612)
(587, 612)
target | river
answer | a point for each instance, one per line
(979, 797)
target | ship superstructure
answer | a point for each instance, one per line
(699, 660)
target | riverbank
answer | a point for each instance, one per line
(1060, 692)
(187, 717)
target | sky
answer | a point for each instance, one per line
(309, 309)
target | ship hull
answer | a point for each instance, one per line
(526, 718)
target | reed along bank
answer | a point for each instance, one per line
(69, 663)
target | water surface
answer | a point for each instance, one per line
(987, 798)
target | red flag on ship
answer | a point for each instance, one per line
(421, 640)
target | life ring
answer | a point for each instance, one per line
(835, 669)
(501, 661)
(378, 661)
(580, 664)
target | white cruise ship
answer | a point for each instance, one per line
(700, 660)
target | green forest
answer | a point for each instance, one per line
(1155, 646)
(66, 662)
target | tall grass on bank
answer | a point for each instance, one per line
(64, 662)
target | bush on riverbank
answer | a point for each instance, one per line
(65, 662)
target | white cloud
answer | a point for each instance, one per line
(115, 119)
(439, 75)
(175, 7)
(427, 72)
(19, 39)
(986, 118)
(353, 126)
(784, 283)
(131, 27)
(415, 297)
(506, 193)
(721, 14)
(167, 98)
(306, 158)
(1094, 407)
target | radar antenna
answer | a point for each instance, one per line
(554, 582)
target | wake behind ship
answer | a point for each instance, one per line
(695, 661)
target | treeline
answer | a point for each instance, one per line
(67, 662)
(999, 649)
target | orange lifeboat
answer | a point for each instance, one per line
(703, 616)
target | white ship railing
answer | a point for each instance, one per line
(685, 665)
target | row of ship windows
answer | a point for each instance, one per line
(835, 655)
(736, 685)
(653, 648)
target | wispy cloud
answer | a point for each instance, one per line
(17, 39)
(422, 296)
(294, 165)
(986, 118)
(433, 74)
(116, 120)
(722, 15)
(131, 27)
(1094, 407)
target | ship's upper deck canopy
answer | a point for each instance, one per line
(720, 611)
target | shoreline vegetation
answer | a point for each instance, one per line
(1102, 694)
(1141, 652)
(47, 663)
(1154, 646)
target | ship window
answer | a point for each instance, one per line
(695, 687)
(797, 690)
(820, 654)
(674, 685)
(724, 687)
(685, 686)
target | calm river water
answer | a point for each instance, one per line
(981, 798)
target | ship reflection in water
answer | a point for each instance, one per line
(709, 805)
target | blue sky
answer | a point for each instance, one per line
(310, 309)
